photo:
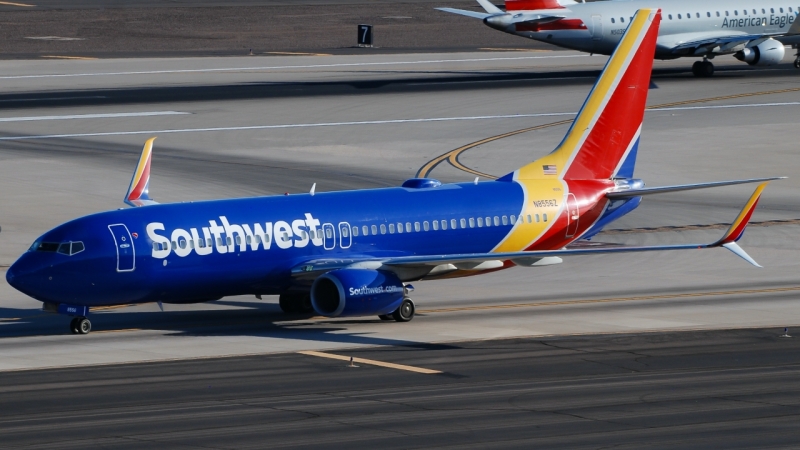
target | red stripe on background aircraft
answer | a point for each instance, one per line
(353, 253)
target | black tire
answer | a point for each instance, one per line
(73, 326)
(287, 303)
(696, 71)
(707, 69)
(84, 325)
(385, 317)
(797, 63)
(305, 304)
(405, 312)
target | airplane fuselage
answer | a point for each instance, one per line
(598, 26)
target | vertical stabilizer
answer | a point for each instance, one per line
(603, 140)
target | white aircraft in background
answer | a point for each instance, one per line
(753, 31)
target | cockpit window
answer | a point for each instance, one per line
(70, 248)
(44, 246)
(65, 248)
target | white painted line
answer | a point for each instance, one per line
(365, 122)
(93, 116)
(309, 66)
(42, 99)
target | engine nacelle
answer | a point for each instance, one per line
(767, 53)
(356, 292)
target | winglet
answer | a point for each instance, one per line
(736, 229)
(139, 190)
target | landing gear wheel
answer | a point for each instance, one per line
(385, 317)
(83, 325)
(73, 326)
(405, 312)
(797, 63)
(703, 69)
(295, 303)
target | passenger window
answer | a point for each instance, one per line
(670, 17)
(408, 227)
(355, 231)
(238, 240)
(364, 230)
(781, 9)
(505, 220)
(496, 221)
(612, 20)
(622, 19)
(399, 227)
(472, 222)
(544, 217)
(416, 226)
(453, 224)
(435, 225)
(463, 223)
(513, 218)
(391, 228)
(374, 230)
(345, 232)
(679, 16)
(488, 221)
(735, 12)
(480, 222)
(530, 220)
(425, 226)
(537, 218)
(772, 10)
(156, 246)
(717, 13)
(444, 225)
(727, 14)
(698, 15)
(383, 229)
(708, 14)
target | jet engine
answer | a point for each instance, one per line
(356, 292)
(767, 53)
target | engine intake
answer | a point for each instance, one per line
(356, 292)
(767, 53)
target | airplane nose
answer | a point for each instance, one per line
(11, 276)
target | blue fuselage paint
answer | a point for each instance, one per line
(120, 263)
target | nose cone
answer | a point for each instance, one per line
(22, 276)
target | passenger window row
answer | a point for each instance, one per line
(727, 13)
(453, 224)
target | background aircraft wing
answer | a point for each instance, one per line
(679, 43)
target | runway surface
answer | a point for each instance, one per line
(229, 372)
(733, 389)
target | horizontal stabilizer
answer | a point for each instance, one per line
(682, 187)
(473, 14)
(490, 8)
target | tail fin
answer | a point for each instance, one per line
(139, 190)
(604, 137)
(532, 5)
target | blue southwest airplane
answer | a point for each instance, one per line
(353, 253)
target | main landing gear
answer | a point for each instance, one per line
(80, 325)
(295, 303)
(402, 314)
(703, 69)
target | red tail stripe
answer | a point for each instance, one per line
(529, 5)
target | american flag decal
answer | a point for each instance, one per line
(550, 169)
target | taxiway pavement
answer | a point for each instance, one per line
(70, 133)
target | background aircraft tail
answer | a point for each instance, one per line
(604, 138)
(532, 5)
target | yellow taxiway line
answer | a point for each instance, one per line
(371, 362)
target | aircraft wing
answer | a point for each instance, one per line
(687, 41)
(682, 187)
(416, 267)
(464, 12)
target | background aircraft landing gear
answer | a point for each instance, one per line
(797, 63)
(295, 303)
(80, 325)
(405, 312)
(703, 69)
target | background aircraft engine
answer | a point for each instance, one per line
(767, 53)
(356, 292)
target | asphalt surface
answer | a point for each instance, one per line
(95, 29)
(733, 389)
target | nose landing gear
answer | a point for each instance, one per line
(703, 69)
(80, 325)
